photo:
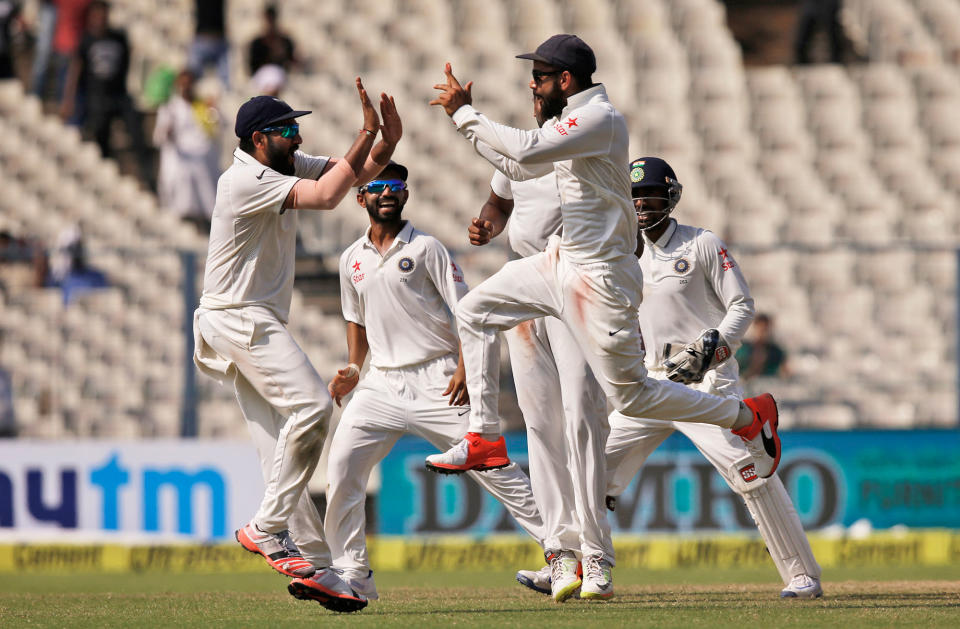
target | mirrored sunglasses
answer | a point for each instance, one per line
(379, 185)
(286, 131)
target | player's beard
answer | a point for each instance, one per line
(551, 104)
(390, 215)
(280, 158)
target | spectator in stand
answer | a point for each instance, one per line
(816, 15)
(70, 22)
(210, 45)
(69, 269)
(8, 420)
(273, 47)
(46, 24)
(188, 133)
(10, 21)
(762, 356)
(100, 70)
(269, 80)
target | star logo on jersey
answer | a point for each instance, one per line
(728, 262)
(681, 266)
(571, 122)
(406, 265)
(356, 265)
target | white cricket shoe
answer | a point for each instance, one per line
(537, 580)
(360, 583)
(597, 578)
(327, 588)
(802, 586)
(564, 580)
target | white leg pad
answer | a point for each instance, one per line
(777, 520)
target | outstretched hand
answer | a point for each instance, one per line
(392, 128)
(452, 95)
(371, 120)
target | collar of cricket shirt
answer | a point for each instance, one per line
(582, 98)
(666, 236)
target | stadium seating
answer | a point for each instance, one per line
(836, 187)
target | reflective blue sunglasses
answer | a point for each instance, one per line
(286, 131)
(379, 185)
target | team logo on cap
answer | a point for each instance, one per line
(681, 266)
(406, 264)
(636, 173)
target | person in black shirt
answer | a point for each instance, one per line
(273, 46)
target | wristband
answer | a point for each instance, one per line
(373, 133)
(353, 370)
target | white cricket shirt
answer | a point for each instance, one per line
(536, 211)
(587, 146)
(691, 283)
(405, 298)
(250, 259)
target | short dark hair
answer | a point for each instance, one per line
(583, 80)
(246, 145)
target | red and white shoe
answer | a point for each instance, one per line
(327, 588)
(277, 548)
(761, 436)
(473, 452)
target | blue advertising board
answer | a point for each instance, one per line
(890, 478)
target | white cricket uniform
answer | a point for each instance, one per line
(555, 386)
(693, 284)
(404, 299)
(241, 337)
(589, 279)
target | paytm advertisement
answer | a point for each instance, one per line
(890, 478)
(164, 489)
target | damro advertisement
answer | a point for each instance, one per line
(888, 477)
(160, 489)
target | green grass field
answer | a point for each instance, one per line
(875, 597)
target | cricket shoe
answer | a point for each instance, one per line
(802, 586)
(597, 578)
(536, 580)
(277, 548)
(760, 437)
(362, 585)
(327, 588)
(564, 578)
(473, 452)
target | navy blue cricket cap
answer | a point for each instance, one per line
(260, 112)
(567, 52)
(651, 172)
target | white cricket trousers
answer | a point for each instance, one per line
(598, 303)
(632, 440)
(562, 404)
(287, 408)
(387, 404)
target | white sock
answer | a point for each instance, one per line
(744, 417)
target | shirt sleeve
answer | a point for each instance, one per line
(510, 168)
(727, 280)
(262, 189)
(309, 166)
(349, 297)
(500, 184)
(585, 132)
(446, 275)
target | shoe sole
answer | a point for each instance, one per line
(340, 604)
(441, 469)
(562, 595)
(596, 596)
(256, 551)
(526, 582)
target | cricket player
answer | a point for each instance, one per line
(588, 278)
(399, 288)
(693, 284)
(240, 326)
(562, 404)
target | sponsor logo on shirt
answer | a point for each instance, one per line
(457, 275)
(571, 122)
(560, 129)
(357, 277)
(728, 262)
(406, 265)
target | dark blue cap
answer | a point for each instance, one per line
(649, 172)
(567, 52)
(260, 112)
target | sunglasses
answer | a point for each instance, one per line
(379, 185)
(286, 131)
(538, 75)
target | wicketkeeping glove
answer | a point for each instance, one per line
(693, 361)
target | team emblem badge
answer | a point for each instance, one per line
(681, 266)
(636, 173)
(406, 264)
